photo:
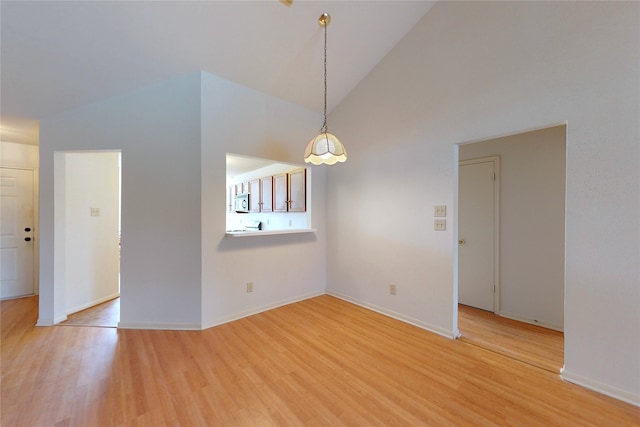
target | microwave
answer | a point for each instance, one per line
(241, 203)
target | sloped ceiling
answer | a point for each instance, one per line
(59, 55)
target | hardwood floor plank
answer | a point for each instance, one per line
(319, 362)
(531, 344)
(105, 315)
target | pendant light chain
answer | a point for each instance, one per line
(325, 148)
(324, 128)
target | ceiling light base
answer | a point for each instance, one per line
(324, 20)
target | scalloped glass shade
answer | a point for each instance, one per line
(325, 148)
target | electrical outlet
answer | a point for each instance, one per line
(392, 289)
(95, 211)
(440, 211)
(440, 224)
(249, 287)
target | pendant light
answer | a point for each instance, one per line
(325, 148)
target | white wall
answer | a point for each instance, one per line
(283, 268)
(91, 252)
(157, 130)
(20, 130)
(17, 155)
(532, 194)
(178, 270)
(470, 71)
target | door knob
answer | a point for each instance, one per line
(461, 242)
(27, 239)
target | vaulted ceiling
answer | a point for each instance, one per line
(60, 55)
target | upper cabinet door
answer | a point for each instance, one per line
(231, 194)
(266, 194)
(254, 195)
(280, 193)
(297, 190)
(240, 188)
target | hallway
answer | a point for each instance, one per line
(106, 315)
(531, 344)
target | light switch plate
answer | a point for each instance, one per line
(95, 211)
(440, 210)
(440, 224)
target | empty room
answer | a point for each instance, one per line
(275, 196)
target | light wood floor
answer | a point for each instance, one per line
(528, 343)
(531, 344)
(321, 361)
(105, 315)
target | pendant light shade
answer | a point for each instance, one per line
(326, 147)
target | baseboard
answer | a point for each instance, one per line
(614, 392)
(415, 322)
(251, 312)
(93, 303)
(554, 326)
(160, 326)
(198, 327)
(50, 322)
(45, 322)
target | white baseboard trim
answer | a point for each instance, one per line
(93, 303)
(256, 310)
(398, 316)
(554, 326)
(45, 322)
(160, 326)
(50, 322)
(608, 390)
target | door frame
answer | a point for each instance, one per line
(35, 236)
(61, 282)
(25, 156)
(496, 224)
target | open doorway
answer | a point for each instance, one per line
(511, 292)
(87, 234)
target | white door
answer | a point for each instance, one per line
(476, 233)
(16, 232)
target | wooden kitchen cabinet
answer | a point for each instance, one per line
(266, 194)
(231, 194)
(240, 188)
(285, 192)
(290, 191)
(280, 192)
(253, 188)
(297, 190)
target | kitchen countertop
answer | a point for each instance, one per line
(247, 233)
